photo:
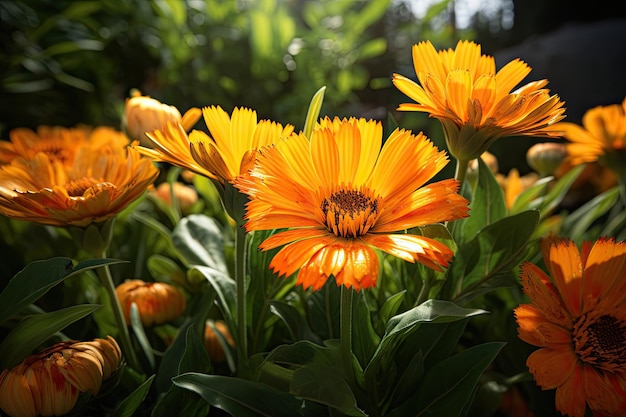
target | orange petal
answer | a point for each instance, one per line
(552, 368)
(570, 397)
(360, 269)
(536, 330)
(543, 294)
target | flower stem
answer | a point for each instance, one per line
(346, 330)
(104, 273)
(461, 171)
(240, 278)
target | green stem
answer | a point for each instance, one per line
(106, 279)
(424, 292)
(346, 330)
(240, 279)
(461, 172)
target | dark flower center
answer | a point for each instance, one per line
(601, 341)
(350, 213)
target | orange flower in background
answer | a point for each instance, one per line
(94, 189)
(187, 196)
(474, 103)
(577, 316)
(341, 196)
(601, 138)
(61, 143)
(157, 302)
(513, 184)
(229, 151)
(143, 114)
(50, 382)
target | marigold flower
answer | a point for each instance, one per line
(94, 189)
(229, 151)
(144, 114)
(474, 103)
(577, 316)
(341, 196)
(61, 143)
(157, 302)
(513, 184)
(212, 342)
(602, 137)
(49, 383)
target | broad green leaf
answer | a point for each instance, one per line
(199, 239)
(556, 194)
(128, 406)
(165, 269)
(140, 334)
(390, 307)
(313, 112)
(488, 261)
(41, 276)
(34, 330)
(449, 385)
(224, 286)
(364, 338)
(293, 320)
(324, 385)
(529, 198)
(240, 397)
(487, 206)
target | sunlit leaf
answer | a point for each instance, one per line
(199, 240)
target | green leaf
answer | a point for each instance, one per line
(41, 276)
(224, 286)
(529, 198)
(558, 191)
(578, 222)
(31, 332)
(239, 397)
(364, 339)
(449, 385)
(128, 406)
(314, 111)
(199, 240)
(294, 321)
(140, 334)
(373, 48)
(488, 261)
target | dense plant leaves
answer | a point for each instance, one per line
(199, 240)
(578, 222)
(449, 385)
(130, 404)
(41, 276)
(31, 332)
(487, 261)
(224, 287)
(364, 337)
(240, 397)
(294, 321)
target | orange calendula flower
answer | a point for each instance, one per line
(49, 383)
(474, 103)
(157, 302)
(94, 189)
(212, 342)
(514, 184)
(61, 143)
(228, 152)
(144, 114)
(601, 138)
(577, 316)
(341, 196)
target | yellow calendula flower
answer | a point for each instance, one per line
(577, 318)
(94, 189)
(50, 382)
(342, 194)
(61, 143)
(602, 137)
(226, 153)
(157, 302)
(143, 114)
(513, 184)
(474, 102)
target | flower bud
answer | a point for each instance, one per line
(49, 383)
(472, 167)
(546, 157)
(186, 195)
(157, 302)
(212, 342)
(144, 114)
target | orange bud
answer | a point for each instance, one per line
(144, 114)
(545, 158)
(212, 343)
(157, 302)
(186, 195)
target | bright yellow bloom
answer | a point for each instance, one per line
(94, 189)
(341, 196)
(157, 302)
(49, 383)
(229, 151)
(143, 114)
(474, 103)
(601, 138)
(577, 317)
(61, 143)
